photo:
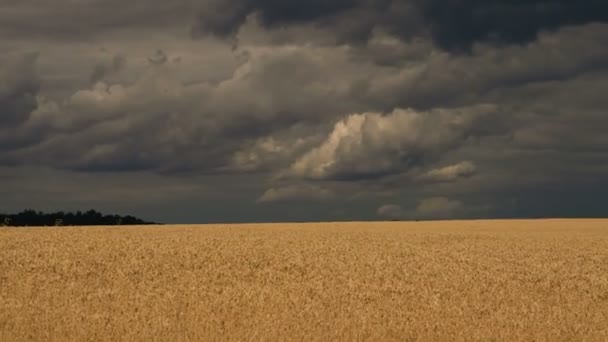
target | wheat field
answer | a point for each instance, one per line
(462, 280)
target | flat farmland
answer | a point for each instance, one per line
(452, 280)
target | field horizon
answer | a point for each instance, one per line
(312, 222)
(503, 279)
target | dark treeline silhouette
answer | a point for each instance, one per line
(88, 218)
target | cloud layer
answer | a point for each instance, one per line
(348, 103)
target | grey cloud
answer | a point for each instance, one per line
(34, 130)
(19, 85)
(282, 87)
(107, 127)
(79, 20)
(19, 106)
(233, 122)
(171, 126)
(447, 80)
(388, 51)
(98, 73)
(159, 58)
(101, 71)
(563, 131)
(563, 117)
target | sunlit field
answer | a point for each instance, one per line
(459, 280)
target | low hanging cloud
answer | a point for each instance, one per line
(390, 211)
(299, 192)
(438, 207)
(450, 173)
(373, 145)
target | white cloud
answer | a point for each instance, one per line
(368, 145)
(273, 152)
(450, 173)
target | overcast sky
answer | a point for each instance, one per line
(190, 111)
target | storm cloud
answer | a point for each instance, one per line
(19, 86)
(458, 24)
(454, 25)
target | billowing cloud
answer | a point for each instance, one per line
(175, 126)
(372, 145)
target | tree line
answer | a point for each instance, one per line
(89, 218)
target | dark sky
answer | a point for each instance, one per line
(192, 111)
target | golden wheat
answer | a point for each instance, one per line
(461, 280)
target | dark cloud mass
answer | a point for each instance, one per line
(266, 110)
(225, 17)
(454, 25)
(457, 24)
(18, 88)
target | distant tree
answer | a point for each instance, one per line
(37, 218)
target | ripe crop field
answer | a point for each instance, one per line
(458, 280)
